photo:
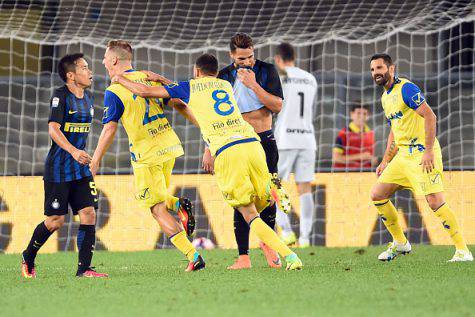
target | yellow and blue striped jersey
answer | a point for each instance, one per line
(212, 102)
(399, 103)
(151, 137)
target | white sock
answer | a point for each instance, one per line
(284, 222)
(307, 210)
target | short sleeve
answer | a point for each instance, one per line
(273, 83)
(113, 107)
(339, 142)
(57, 107)
(179, 90)
(412, 95)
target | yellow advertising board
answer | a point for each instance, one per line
(344, 211)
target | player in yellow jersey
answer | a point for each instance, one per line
(413, 159)
(240, 164)
(153, 149)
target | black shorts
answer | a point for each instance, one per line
(78, 194)
(270, 148)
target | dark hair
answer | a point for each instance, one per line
(122, 48)
(240, 40)
(208, 64)
(359, 106)
(387, 59)
(68, 64)
(286, 52)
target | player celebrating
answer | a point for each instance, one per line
(413, 159)
(153, 149)
(67, 179)
(240, 163)
(258, 92)
(296, 140)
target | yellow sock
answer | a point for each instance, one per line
(388, 214)
(181, 242)
(172, 203)
(269, 237)
(450, 224)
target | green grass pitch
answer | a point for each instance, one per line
(334, 282)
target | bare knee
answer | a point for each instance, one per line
(87, 216)
(53, 223)
(435, 200)
(377, 194)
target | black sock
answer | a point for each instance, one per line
(86, 241)
(241, 232)
(268, 216)
(39, 237)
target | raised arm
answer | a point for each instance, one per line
(140, 89)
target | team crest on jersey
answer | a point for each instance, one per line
(55, 102)
(418, 99)
(55, 204)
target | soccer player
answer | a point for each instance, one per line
(153, 149)
(258, 92)
(413, 159)
(295, 138)
(240, 162)
(67, 178)
(354, 145)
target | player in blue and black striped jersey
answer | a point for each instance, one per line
(67, 178)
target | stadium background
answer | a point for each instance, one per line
(432, 43)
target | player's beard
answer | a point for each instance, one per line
(383, 81)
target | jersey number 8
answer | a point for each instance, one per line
(220, 101)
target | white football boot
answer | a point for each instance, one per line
(393, 250)
(461, 256)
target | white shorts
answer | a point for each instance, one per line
(298, 161)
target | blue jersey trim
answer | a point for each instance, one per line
(129, 70)
(412, 95)
(113, 107)
(179, 90)
(396, 81)
(224, 147)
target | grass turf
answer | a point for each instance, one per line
(334, 282)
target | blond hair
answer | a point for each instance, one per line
(121, 48)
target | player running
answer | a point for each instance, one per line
(153, 149)
(296, 142)
(67, 178)
(413, 159)
(240, 162)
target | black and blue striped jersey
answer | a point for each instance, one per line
(75, 116)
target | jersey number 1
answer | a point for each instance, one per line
(302, 96)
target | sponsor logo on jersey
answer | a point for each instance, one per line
(75, 127)
(396, 115)
(72, 111)
(143, 194)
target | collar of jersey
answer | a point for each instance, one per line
(354, 128)
(396, 81)
(129, 70)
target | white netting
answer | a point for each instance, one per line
(432, 43)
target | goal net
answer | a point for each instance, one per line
(432, 43)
